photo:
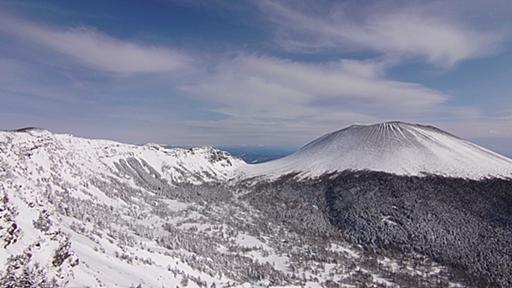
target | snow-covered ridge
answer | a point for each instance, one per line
(39, 148)
(53, 187)
(393, 147)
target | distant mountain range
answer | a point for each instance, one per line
(385, 205)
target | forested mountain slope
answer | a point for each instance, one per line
(78, 212)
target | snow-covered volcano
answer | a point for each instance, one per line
(393, 147)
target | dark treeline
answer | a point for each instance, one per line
(463, 224)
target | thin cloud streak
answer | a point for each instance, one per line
(97, 50)
(265, 95)
(258, 85)
(406, 31)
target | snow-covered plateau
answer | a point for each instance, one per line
(78, 212)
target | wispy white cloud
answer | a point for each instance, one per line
(260, 94)
(256, 99)
(96, 49)
(265, 85)
(408, 30)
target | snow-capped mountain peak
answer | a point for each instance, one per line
(393, 147)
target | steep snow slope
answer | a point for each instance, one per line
(59, 194)
(393, 147)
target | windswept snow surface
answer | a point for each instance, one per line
(393, 147)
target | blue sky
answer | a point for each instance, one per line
(255, 72)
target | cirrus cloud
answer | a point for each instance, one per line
(97, 50)
(412, 29)
(292, 100)
(272, 86)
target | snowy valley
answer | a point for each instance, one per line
(76, 212)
